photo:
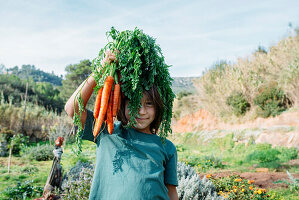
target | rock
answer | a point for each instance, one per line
(262, 170)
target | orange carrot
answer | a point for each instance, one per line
(104, 104)
(97, 104)
(115, 99)
(110, 115)
(119, 102)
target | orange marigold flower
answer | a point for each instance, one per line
(235, 190)
(255, 192)
(250, 187)
(208, 175)
(234, 186)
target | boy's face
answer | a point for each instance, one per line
(146, 114)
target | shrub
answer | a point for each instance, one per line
(30, 170)
(287, 154)
(23, 191)
(8, 137)
(40, 152)
(271, 100)
(238, 103)
(235, 188)
(203, 164)
(192, 187)
(77, 185)
(182, 94)
(293, 183)
(266, 158)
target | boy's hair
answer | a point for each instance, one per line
(154, 96)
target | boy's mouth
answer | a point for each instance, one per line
(137, 118)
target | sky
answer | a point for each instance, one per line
(193, 35)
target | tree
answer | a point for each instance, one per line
(76, 74)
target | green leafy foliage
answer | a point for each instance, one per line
(75, 75)
(271, 100)
(40, 152)
(238, 103)
(203, 164)
(287, 154)
(23, 191)
(266, 157)
(182, 94)
(293, 183)
(141, 65)
(30, 71)
(42, 93)
(30, 170)
(235, 188)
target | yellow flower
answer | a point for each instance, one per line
(255, 192)
(235, 190)
(242, 185)
(259, 191)
(243, 190)
(225, 196)
(250, 187)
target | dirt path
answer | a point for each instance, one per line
(261, 179)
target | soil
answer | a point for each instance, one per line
(261, 179)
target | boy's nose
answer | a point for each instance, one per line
(142, 110)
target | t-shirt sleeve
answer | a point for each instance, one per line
(88, 128)
(170, 176)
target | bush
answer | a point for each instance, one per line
(23, 191)
(30, 170)
(40, 152)
(78, 183)
(266, 157)
(293, 183)
(235, 188)
(192, 187)
(203, 164)
(238, 103)
(182, 94)
(271, 100)
(287, 154)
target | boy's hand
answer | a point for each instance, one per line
(109, 57)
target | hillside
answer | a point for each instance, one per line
(256, 97)
(30, 72)
(183, 84)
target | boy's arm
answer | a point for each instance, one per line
(86, 92)
(172, 193)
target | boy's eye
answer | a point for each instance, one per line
(149, 103)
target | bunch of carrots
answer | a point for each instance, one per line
(107, 103)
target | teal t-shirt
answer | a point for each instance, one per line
(131, 165)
